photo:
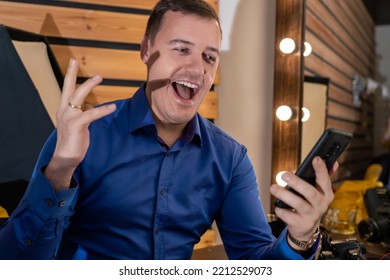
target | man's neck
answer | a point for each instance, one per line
(170, 133)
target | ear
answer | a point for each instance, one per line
(145, 54)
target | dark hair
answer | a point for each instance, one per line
(196, 7)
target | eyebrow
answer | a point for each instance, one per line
(174, 41)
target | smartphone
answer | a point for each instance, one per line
(329, 147)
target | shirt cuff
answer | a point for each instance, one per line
(289, 253)
(44, 201)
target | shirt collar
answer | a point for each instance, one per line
(141, 116)
(192, 132)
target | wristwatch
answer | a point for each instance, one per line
(305, 245)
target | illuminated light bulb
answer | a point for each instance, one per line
(306, 114)
(287, 45)
(284, 113)
(279, 179)
(308, 49)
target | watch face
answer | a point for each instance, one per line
(310, 243)
(313, 240)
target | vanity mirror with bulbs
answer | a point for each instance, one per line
(314, 74)
(311, 117)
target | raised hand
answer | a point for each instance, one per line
(304, 220)
(72, 127)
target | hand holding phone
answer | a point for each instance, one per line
(329, 147)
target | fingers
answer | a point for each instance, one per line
(334, 168)
(69, 84)
(322, 181)
(84, 89)
(292, 199)
(324, 184)
(72, 98)
(308, 211)
(69, 91)
(96, 113)
(304, 217)
(318, 196)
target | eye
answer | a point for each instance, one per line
(209, 58)
(181, 50)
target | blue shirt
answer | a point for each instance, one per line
(135, 198)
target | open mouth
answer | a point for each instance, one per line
(185, 90)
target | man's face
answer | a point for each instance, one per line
(182, 64)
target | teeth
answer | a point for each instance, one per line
(187, 84)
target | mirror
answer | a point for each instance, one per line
(314, 109)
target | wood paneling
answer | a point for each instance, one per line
(342, 37)
(137, 4)
(315, 28)
(352, 21)
(102, 35)
(75, 23)
(110, 63)
(140, 4)
(334, 22)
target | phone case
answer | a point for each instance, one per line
(329, 147)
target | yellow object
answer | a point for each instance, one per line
(3, 213)
(373, 173)
(350, 195)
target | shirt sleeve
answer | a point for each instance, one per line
(286, 252)
(34, 229)
(242, 222)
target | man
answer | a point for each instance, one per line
(144, 178)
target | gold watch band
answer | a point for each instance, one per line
(305, 245)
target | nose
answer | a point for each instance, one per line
(196, 65)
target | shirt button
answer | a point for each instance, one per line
(163, 191)
(62, 203)
(157, 231)
(49, 202)
(27, 242)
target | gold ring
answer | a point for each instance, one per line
(74, 106)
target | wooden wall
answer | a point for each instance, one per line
(342, 36)
(103, 35)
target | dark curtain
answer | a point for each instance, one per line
(24, 122)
